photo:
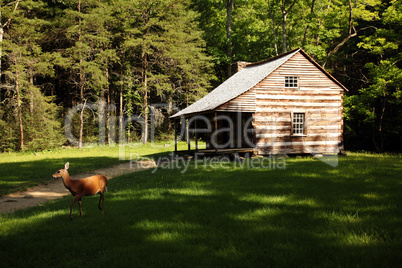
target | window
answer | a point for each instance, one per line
(298, 123)
(291, 81)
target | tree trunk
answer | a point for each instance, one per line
(285, 13)
(373, 133)
(308, 25)
(31, 81)
(17, 89)
(102, 111)
(229, 49)
(1, 44)
(186, 93)
(169, 112)
(380, 125)
(101, 114)
(108, 106)
(145, 80)
(82, 123)
(145, 96)
(81, 127)
(81, 84)
(271, 14)
(2, 26)
(121, 130)
(284, 36)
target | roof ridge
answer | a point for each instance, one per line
(273, 58)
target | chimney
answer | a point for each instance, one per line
(241, 65)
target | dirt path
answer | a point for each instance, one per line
(55, 189)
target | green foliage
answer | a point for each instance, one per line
(88, 51)
(27, 63)
(151, 52)
(377, 104)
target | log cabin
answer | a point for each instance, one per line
(287, 104)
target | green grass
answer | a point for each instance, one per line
(18, 171)
(308, 214)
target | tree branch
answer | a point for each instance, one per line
(15, 9)
(291, 6)
(350, 34)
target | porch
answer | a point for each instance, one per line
(220, 133)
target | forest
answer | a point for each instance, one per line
(145, 59)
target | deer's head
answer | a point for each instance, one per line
(61, 172)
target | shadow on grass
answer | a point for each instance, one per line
(306, 215)
(18, 176)
(21, 175)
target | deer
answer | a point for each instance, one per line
(89, 186)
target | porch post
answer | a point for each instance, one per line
(188, 136)
(196, 135)
(216, 129)
(239, 127)
(175, 135)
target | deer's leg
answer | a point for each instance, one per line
(79, 202)
(103, 202)
(101, 199)
(76, 198)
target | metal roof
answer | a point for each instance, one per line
(240, 82)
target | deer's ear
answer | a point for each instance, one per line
(67, 165)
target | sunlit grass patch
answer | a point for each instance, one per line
(192, 192)
(263, 199)
(157, 231)
(258, 214)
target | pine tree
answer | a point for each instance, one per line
(27, 62)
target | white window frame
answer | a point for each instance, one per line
(291, 82)
(299, 123)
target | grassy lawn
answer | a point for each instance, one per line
(19, 171)
(308, 214)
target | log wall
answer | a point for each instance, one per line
(319, 97)
(244, 103)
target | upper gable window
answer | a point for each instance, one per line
(291, 82)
